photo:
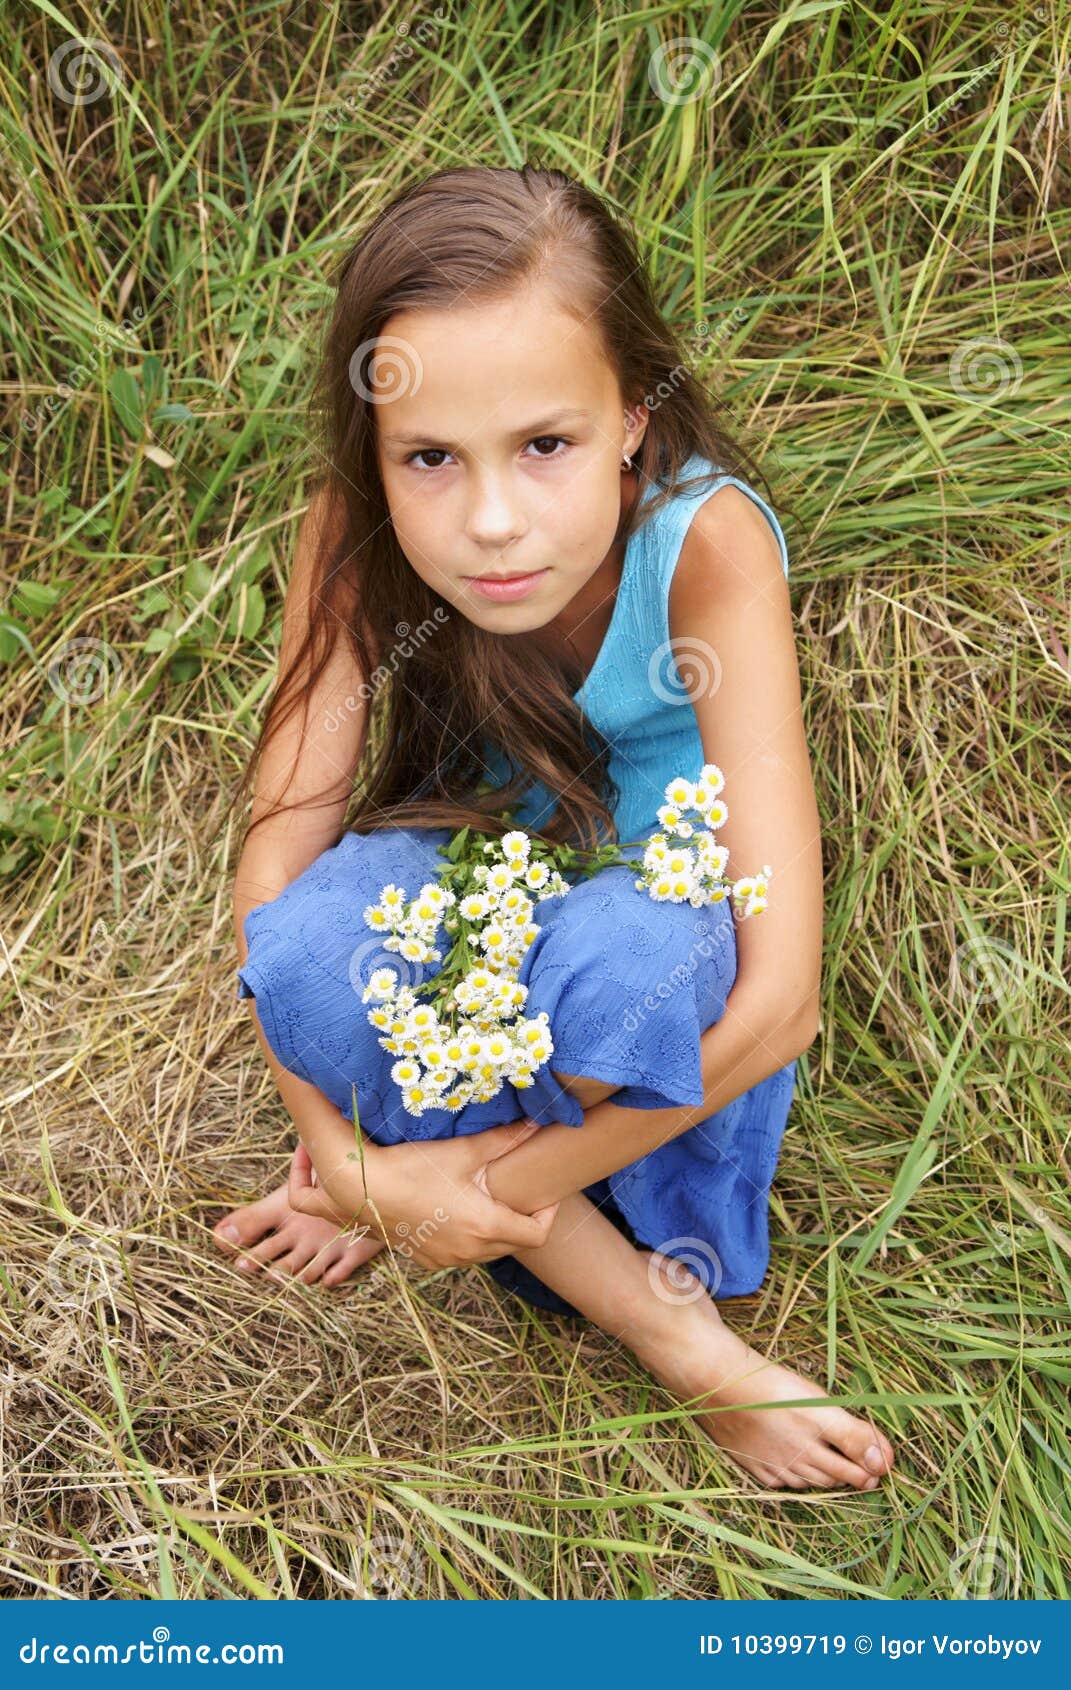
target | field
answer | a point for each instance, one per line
(858, 220)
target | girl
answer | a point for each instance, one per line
(530, 533)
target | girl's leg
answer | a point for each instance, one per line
(665, 1316)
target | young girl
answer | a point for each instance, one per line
(533, 563)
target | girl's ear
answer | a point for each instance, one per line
(635, 428)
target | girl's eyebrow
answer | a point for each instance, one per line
(529, 431)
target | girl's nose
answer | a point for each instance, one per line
(495, 518)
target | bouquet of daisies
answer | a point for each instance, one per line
(460, 1035)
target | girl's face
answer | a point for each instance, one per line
(500, 432)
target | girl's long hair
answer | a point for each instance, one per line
(444, 689)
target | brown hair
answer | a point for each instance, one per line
(472, 234)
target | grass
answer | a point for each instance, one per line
(859, 225)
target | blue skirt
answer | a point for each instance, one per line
(629, 986)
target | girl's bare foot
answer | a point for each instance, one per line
(695, 1355)
(269, 1231)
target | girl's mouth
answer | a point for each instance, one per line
(517, 588)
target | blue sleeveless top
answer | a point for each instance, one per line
(634, 693)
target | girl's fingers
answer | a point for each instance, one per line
(304, 1197)
(528, 1231)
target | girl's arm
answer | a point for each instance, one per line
(299, 762)
(729, 608)
(737, 1052)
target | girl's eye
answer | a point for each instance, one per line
(427, 452)
(441, 452)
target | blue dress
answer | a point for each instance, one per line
(629, 985)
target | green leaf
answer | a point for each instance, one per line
(173, 411)
(247, 613)
(197, 579)
(36, 598)
(153, 602)
(13, 639)
(153, 378)
(126, 400)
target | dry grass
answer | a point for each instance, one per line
(169, 1427)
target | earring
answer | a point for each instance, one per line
(626, 463)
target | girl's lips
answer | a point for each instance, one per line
(507, 590)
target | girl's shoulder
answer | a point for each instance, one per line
(732, 552)
(718, 509)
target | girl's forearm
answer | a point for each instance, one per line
(746, 1045)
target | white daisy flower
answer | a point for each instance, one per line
(680, 794)
(475, 906)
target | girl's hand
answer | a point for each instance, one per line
(431, 1196)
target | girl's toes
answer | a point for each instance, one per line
(247, 1225)
(353, 1257)
(840, 1471)
(861, 1444)
(306, 1262)
(276, 1244)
